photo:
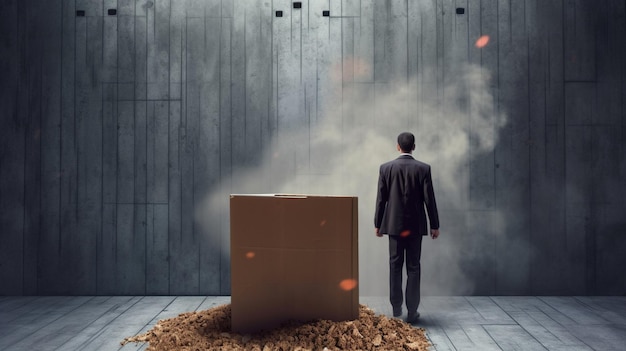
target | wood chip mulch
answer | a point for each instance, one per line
(210, 330)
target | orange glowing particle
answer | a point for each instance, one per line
(323, 223)
(405, 233)
(250, 255)
(482, 41)
(348, 284)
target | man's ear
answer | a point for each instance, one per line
(413, 149)
(398, 147)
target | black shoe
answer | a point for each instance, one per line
(397, 312)
(412, 317)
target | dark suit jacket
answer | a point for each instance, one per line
(404, 187)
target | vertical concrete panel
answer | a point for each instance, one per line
(157, 152)
(397, 41)
(130, 53)
(139, 79)
(349, 65)
(364, 42)
(88, 129)
(174, 197)
(49, 230)
(14, 92)
(109, 142)
(106, 244)
(579, 48)
(290, 105)
(310, 24)
(606, 197)
(225, 147)
(176, 21)
(553, 215)
(287, 92)
(141, 150)
(158, 25)
(427, 84)
(512, 178)
(157, 254)
(580, 102)
(578, 216)
(110, 42)
(107, 266)
(174, 111)
(489, 53)
(479, 255)
(184, 276)
(130, 250)
(257, 49)
(327, 91)
(609, 62)
(67, 202)
(481, 21)
(237, 82)
(125, 235)
(545, 271)
(364, 65)
(32, 175)
(106, 271)
(207, 163)
(125, 152)
(552, 14)
(381, 66)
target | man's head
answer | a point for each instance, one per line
(406, 142)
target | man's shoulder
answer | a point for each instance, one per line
(422, 164)
(405, 160)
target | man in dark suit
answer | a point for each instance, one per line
(405, 187)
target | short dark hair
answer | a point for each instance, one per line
(406, 141)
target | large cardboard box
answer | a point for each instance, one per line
(293, 257)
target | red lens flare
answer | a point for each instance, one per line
(323, 223)
(348, 284)
(250, 255)
(405, 233)
(482, 41)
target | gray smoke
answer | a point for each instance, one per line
(340, 155)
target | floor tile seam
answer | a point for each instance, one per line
(549, 331)
(26, 302)
(554, 310)
(443, 329)
(110, 309)
(596, 308)
(155, 319)
(533, 337)
(101, 330)
(477, 310)
(52, 321)
(55, 299)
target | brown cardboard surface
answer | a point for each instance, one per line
(292, 258)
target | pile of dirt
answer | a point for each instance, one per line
(210, 330)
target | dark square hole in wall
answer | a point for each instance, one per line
(326, 13)
(297, 5)
(80, 13)
(112, 12)
(460, 10)
(279, 14)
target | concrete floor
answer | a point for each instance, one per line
(451, 323)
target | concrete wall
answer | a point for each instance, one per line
(123, 134)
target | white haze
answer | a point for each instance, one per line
(347, 146)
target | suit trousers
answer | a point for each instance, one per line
(409, 247)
